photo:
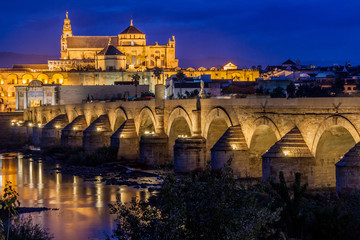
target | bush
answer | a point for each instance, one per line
(206, 205)
(213, 205)
(15, 228)
(26, 229)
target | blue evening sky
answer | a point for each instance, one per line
(252, 32)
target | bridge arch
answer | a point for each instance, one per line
(335, 136)
(178, 112)
(217, 122)
(334, 120)
(179, 124)
(120, 117)
(264, 135)
(146, 121)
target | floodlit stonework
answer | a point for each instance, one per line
(131, 42)
(314, 133)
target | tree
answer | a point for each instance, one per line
(290, 90)
(278, 93)
(180, 77)
(207, 205)
(157, 74)
(259, 91)
(338, 85)
(136, 79)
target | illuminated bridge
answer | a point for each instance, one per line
(260, 136)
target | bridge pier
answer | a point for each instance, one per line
(348, 171)
(29, 132)
(72, 134)
(18, 132)
(51, 133)
(290, 155)
(126, 141)
(190, 153)
(154, 148)
(98, 134)
(37, 132)
(232, 146)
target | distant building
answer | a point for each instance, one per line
(38, 94)
(190, 87)
(131, 42)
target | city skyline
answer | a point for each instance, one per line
(248, 33)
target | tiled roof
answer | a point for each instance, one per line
(110, 50)
(90, 41)
(131, 29)
(288, 62)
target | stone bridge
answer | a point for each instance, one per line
(260, 136)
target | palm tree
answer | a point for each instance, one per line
(157, 73)
(180, 77)
(135, 79)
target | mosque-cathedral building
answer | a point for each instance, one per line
(104, 60)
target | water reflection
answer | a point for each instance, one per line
(83, 206)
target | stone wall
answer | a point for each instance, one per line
(6, 139)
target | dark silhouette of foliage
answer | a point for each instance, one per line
(290, 90)
(278, 93)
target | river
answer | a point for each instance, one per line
(83, 205)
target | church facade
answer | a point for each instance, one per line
(131, 43)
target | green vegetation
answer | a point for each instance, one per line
(214, 205)
(14, 227)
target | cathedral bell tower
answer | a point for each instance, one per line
(67, 32)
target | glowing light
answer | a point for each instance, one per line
(147, 132)
(61, 81)
(74, 128)
(182, 136)
(286, 152)
(233, 146)
(30, 124)
(39, 125)
(121, 136)
(98, 129)
(24, 81)
(2, 82)
(57, 126)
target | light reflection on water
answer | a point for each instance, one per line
(83, 206)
